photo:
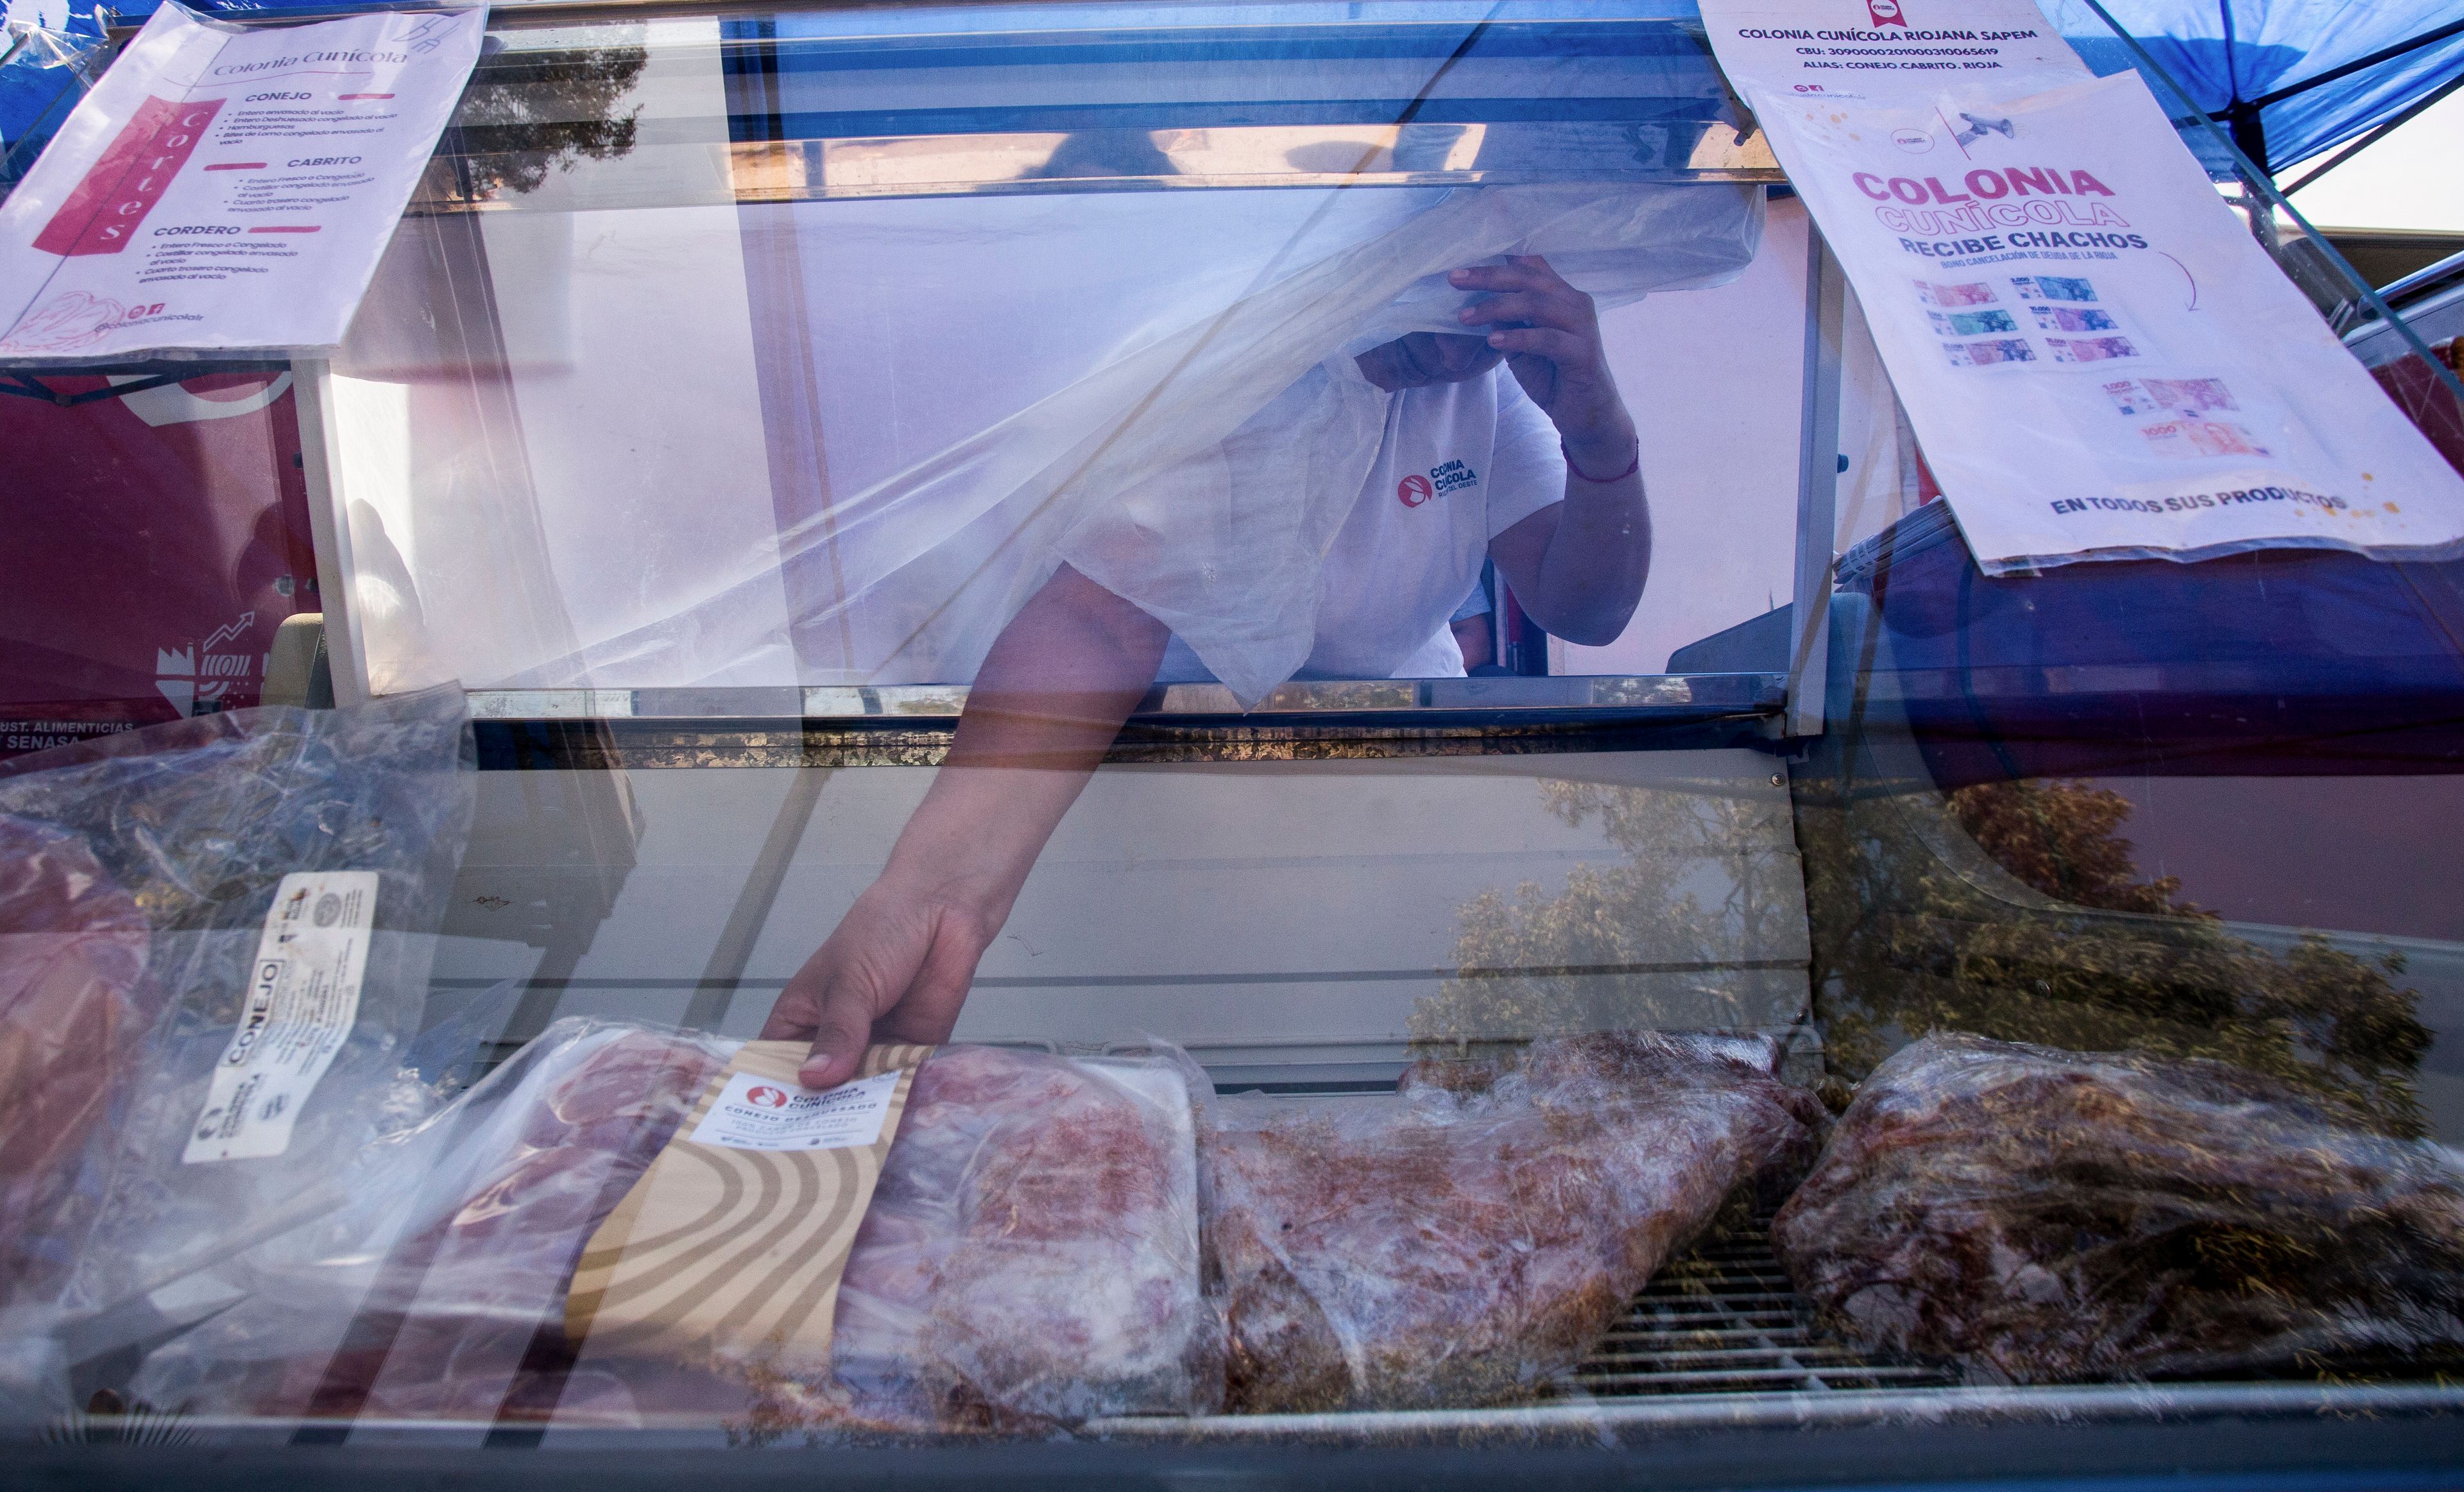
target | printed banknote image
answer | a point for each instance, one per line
(2053, 287)
(2071, 319)
(1971, 323)
(1984, 354)
(2187, 440)
(2130, 398)
(1978, 294)
(2189, 395)
(2090, 349)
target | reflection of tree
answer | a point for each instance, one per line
(525, 116)
(2056, 939)
(1699, 882)
(2058, 838)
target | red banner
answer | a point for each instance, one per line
(156, 541)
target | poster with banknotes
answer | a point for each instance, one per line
(226, 187)
(2098, 358)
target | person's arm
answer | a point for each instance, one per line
(1578, 567)
(1052, 694)
(1472, 636)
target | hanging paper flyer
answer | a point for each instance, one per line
(2099, 359)
(226, 188)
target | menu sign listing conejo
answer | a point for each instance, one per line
(227, 189)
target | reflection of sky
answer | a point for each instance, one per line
(2222, 50)
(2358, 854)
(2406, 181)
(2344, 855)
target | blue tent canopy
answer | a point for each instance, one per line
(2291, 77)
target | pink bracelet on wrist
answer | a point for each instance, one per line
(1631, 467)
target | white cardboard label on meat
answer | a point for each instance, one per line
(2099, 360)
(754, 1113)
(225, 187)
(303, 998)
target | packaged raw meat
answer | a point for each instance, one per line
(2048, 1215)
(445, 1306)
(346, 826)
(1467, 1243)
(74, 1008)
(1029, 1258)
(1032, 1251)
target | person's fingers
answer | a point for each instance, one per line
(1544, 341)
(1570, 311)
(1537, 264)
(1514, 305)
(1519, 271)
(1510, 276)
(841, 1031)
(791, 1019)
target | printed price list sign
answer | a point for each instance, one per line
(227, 189)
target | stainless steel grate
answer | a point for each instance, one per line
(1724, 1320)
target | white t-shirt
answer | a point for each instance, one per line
(1461, 464)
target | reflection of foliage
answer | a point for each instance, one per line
(2054, 940)
(522, 117)
(1697, 883)
(2058, 838)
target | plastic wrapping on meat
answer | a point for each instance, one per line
(197, 822)
(1030, 1256)
(1031, 1251)
(447, 1306)
(75, 1007)
(1469, 1243)
(2049, 1216)
(428, 1294)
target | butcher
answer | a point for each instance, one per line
(1505, 442)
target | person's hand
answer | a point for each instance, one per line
(1550, 333)
(896, 970)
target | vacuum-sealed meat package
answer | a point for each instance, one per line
(1469, 1243)
(445, 1306)
(75, 1007)
(1028, 1257)
(2049, 1216)
(286, 870)
(1032, 1251)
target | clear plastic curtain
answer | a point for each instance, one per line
(957, 394)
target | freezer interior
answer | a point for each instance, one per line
(737, 374)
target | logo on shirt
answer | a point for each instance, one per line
(1452, 474)
(1444, 478)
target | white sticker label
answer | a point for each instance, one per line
(303, 997)
(755, 1113)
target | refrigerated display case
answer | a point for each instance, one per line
(1392, 1079)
